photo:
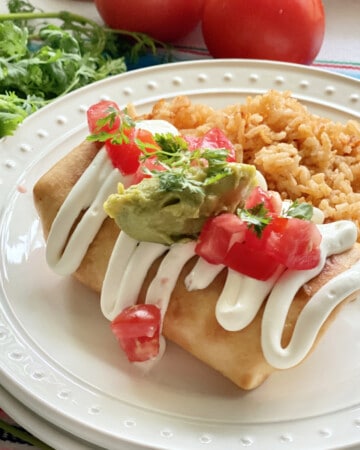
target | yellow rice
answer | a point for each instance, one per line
(301, 155)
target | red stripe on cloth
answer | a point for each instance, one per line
(344, 66)
(192, 50)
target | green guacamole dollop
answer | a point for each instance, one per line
(149, 212)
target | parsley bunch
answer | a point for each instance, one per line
(45, 55)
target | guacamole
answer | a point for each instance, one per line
(156, 211)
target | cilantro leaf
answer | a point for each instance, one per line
(172, 180)
(300, 210)
(116, 136)
(218, 166)
(20, 5)
(256, 218)
(13, 111)
(174, 152)
(13, 40)
(170, 144)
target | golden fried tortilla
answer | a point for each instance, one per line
(190, 320)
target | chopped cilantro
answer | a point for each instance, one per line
(218, 166)
(184, 169)
(171, 146)
(118, 136)
(299, 210)
(173, 180)
(174, 153)
(256, 218)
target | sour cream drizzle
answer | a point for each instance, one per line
(335, 239)
(126, 272)
(241, 297)
(98, 181)
(95, 185)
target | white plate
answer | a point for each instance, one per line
(58, 356)
(37, 426)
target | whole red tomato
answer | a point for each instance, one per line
(283, 30)
(165, 20)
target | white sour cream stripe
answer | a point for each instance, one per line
(202, 274)
(336, 238)
(126, 284)
(95, 185)
(98, 181)
(123, 249)
(241, 299)
(163, 284)
(308, 324)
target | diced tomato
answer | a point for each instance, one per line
(99, 111)
(126, 156)
(150, 164)
(249, 258)
(270, 199)
(293, 242)
(192, 141)
(217, 236)
(137, 329)
(213, 139)
(226, 239)
(146, 138)
(285, 242)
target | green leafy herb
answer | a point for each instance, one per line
(177, 180)
(300, 210)
(109, 121)
(257, 218)
(171, 146)
(44, 55)
(117, 136)
(175, 155)
(218, 166)
(13, 110)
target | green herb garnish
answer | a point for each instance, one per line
(218, 167)
(44, 55)
(199, 167)
(300, 210)
(257, 218)
(172, 147)
(175, 180)
(13, 110)
(117, 136)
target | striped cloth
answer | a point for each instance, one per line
(348, 68)
(14, 437)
